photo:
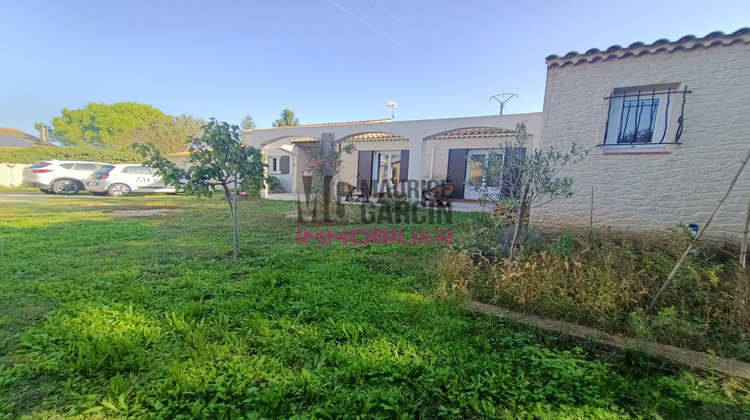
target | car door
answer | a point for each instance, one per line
(84, 170)
(137, 177)
(158, 182)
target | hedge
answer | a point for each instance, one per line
(34, 154)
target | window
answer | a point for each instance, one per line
(89, 167)
(645, 115)
(386, 170)
(142, 170)
(274, 166)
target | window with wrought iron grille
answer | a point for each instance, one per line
(645, 115)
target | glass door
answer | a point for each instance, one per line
(476, 180)
(386, 170)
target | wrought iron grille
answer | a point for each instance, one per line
(637, 114)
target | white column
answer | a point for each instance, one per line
(416, 159)
(264, 153)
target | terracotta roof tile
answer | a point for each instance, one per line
(476, 132)
(376, 137)
(686, 43)
(186, 153)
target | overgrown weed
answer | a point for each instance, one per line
(608, 281)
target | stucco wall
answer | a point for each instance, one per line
(443, 146)
(286, 179)
(654, 191)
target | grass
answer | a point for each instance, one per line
(115, 317)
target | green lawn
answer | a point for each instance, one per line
(104, 316)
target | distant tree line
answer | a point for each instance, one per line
(117, 126)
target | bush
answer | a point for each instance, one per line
(274, 185)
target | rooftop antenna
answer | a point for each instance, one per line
(503, 98)
(392, 105)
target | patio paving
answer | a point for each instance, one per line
(466, 206)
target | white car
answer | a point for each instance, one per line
(59, 176)
(122, 179)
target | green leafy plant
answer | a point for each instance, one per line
(218, 159)
(274, 185)
(527, 178)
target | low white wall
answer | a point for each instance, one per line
(11, 176)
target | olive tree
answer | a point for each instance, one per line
(527, 178)
(218, 160)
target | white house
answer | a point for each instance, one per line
(667, 123)
(389, 152)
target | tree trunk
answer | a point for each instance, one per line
(234, 220)
(516, 243)
(233, 211)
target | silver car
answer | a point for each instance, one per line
(122, 179)
(59, 176)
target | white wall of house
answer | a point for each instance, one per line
(416, 132)
(11, 174)
(441, 147)
(285, 178)
(659, 187)
(180, 161)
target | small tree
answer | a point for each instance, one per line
(527, 179)
(219, 159)
(323, 166)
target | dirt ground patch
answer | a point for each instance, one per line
(140, 212)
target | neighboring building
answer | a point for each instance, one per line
(389, 152)
(11, 138)
(11, 174)
(180, 159)
(667, 123)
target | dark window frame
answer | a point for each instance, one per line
(659, 97)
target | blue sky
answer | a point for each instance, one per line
(327, 60)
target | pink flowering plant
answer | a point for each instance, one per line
(325, 163)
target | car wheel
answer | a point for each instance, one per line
(98, 193)
(118, 190)
(65, 187)
(46, 191)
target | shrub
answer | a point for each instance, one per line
(274, 185)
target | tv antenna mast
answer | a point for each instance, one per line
(392, 105)
(503, 98)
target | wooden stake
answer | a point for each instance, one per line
(700, 233)
(591, 214)
(743, 249)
